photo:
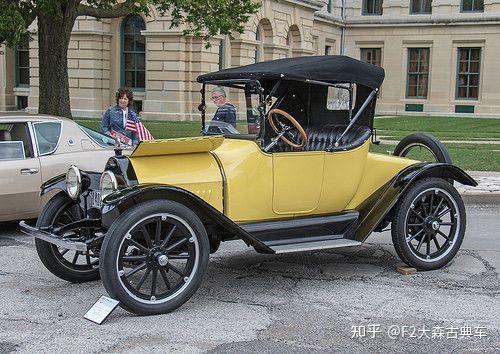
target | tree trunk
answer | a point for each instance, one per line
(54, 32)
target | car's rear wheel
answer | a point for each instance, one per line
(422, 147)
(429, 224)
(70, 265)
(154, 257)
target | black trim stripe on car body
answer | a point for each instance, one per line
(224, 182)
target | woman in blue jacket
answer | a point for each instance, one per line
(115, 118)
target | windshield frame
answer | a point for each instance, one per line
(238, 84)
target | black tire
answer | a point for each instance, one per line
(126, 247)
(421, 217)
(60, 209)
(430, 142)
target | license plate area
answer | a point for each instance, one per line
(94, 199)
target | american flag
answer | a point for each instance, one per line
(135, 125)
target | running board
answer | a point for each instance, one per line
(307, 234)
(315, 245)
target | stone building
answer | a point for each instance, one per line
(440, 56)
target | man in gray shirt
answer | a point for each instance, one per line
(225, 110)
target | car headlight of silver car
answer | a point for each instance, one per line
(108, 184)
(73, 182)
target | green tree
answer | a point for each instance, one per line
(55, 20)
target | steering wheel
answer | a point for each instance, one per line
(285, 129)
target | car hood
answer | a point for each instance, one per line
(177, 146)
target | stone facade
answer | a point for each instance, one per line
(280, 29)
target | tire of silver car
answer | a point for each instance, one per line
(429, 223)
(73, 266)
(154, 257)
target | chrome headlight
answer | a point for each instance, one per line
(73, 182)
(108, 184)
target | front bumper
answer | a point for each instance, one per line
(54, 239)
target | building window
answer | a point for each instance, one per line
(418, 72)
(372, 7)
(472, 6)
(133, 53)
(137, 106)
(469, 62)
(329, 6)
(372, 56)
(22, 62)
(21, 102)
(328, 50)
(420, 7)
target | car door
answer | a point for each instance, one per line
(297, 181)
(20, 175)
(342, 177)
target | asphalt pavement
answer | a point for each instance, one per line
(347, 300)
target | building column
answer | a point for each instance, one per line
(173, 63)
(7, 66)
(89, 67)
(243, 51)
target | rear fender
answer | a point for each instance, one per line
(117, 203)
(380, 204)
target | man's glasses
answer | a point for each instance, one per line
(216, 97)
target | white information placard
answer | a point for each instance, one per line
(101, 309)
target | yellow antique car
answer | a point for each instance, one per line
(297, 175)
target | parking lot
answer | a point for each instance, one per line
(349, 299)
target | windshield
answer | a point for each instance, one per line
(101, 139)
(231, 110)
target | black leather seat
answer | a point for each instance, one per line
(323, 138)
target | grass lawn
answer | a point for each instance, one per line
(477, 157)
(469, 157)
(444, 128)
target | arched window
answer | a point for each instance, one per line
(259, 48)
(133, 53)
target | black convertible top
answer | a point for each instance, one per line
(326, 68)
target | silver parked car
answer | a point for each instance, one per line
(36, 148)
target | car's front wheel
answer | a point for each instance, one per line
(429, 224)
(154, 257)
(70, 265)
